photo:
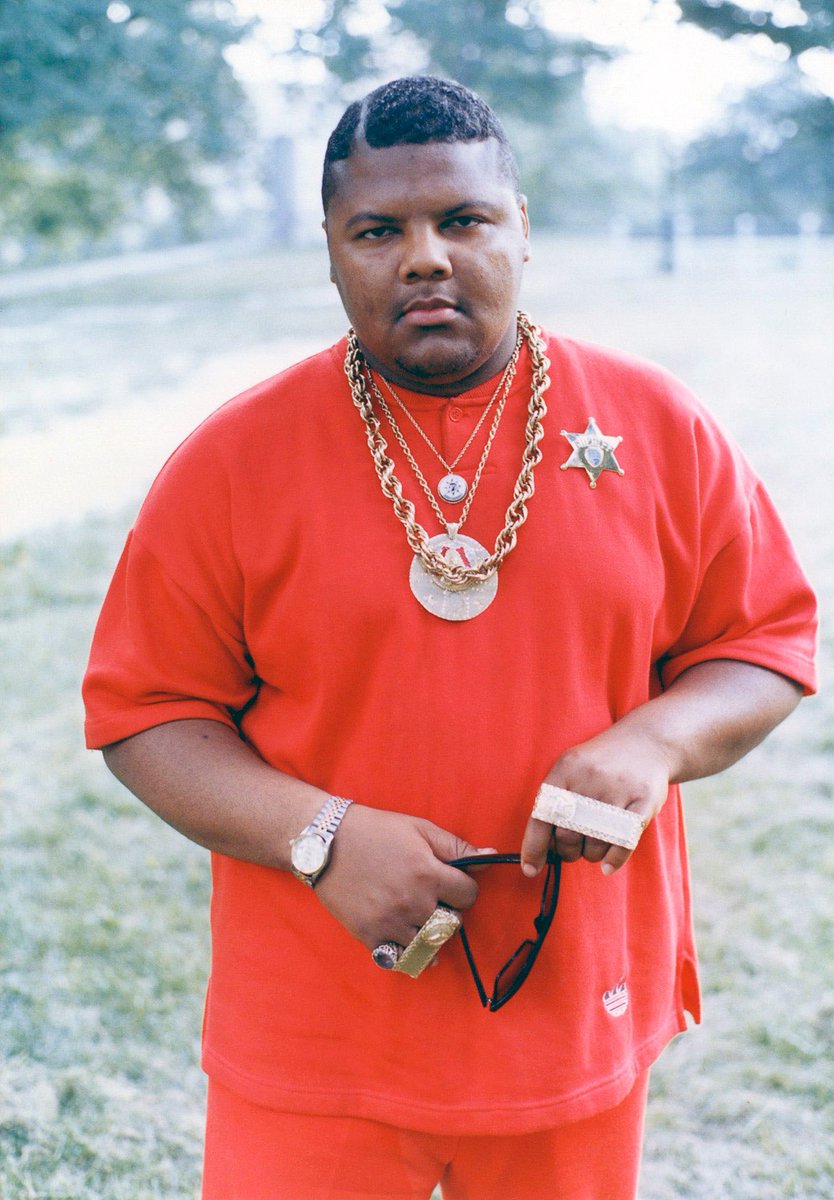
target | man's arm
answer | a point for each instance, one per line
(388, 870)
(710, 717)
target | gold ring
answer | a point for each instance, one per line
(429, 938)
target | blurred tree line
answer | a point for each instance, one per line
(109, 108)
(772, 156)
(573, 172)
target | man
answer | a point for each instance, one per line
(368, 610)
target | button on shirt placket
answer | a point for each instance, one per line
(455, 427)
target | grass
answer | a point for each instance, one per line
(103, 941)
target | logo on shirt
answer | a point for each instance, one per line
(616, 1000)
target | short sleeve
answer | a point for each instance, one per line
(158, 655)
(170, 644)
(753, 603)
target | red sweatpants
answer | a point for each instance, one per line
(255, 1153)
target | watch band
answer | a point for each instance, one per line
(592, 818)
(327, 819)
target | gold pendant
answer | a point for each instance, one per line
(593, 452)
(453, 602)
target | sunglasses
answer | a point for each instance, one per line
(516, 969)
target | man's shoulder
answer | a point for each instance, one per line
(646, 404)
(269, 410)
(306, 380)
(594, 360)
(264, 421)
(624, 381)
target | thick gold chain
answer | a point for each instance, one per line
(516, 515)
(504, 385)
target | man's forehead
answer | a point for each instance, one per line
(439, 170)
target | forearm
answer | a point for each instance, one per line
(389, 869)
(708, 719)
(712, 716)
(204, 781)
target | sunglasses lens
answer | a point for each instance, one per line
(511, 976)
(514, 972)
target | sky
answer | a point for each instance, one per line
(668, 76)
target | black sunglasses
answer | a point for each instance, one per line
(516, 969)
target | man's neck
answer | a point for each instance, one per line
(399, 375)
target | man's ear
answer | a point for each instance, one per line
(332, 274)
(525, 224)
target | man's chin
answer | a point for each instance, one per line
(442, 368)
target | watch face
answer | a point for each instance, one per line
(309, 853)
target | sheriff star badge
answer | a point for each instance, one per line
(593, 452)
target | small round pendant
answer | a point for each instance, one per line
(459, 604)
(452, 488)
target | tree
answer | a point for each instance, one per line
(100, 102)
(773, 156)
(503, 50)
(802, 25)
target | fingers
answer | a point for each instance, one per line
(388, 874)
(571, 846)
(535, 845)
(457, 888)
(620, 767)
(614, 858)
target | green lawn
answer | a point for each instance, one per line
(103, 941)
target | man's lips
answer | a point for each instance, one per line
(435, 311)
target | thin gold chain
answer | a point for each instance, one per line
(398, 400)
(516, 514)
(504, 386)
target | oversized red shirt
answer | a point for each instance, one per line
(265, 584)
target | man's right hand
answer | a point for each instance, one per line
(389, 872)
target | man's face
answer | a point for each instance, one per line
(426, 246)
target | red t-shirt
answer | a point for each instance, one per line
(266, 583)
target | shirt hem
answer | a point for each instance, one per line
(799, 668)
(509, 1118)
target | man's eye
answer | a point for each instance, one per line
(465, 222)
(378, 231)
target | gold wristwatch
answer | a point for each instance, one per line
(310, 851)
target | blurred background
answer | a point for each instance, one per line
(126, 127)
(160, 250)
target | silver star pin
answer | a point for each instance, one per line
(593, 452)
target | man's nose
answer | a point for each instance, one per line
(425, 255)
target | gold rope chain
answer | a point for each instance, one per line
(516, 513)
(504, 385)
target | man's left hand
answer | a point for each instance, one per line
(711, 716)
(618, 767)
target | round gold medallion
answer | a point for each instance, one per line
(449, 601)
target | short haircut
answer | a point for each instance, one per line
(413, 111)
